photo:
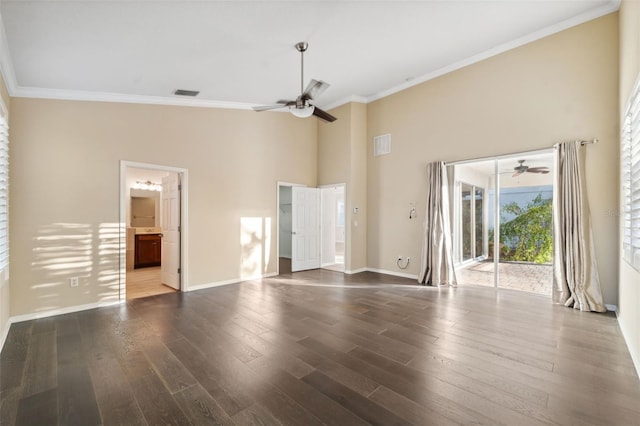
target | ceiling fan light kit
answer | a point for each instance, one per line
(302, 107)
(303, 112)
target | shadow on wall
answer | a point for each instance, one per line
(255, 244)
(65, 251)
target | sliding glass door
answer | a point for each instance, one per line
(472, 222)
(502, 211)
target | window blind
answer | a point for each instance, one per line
(630, 179)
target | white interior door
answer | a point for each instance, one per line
(305, 226)
(170, 267)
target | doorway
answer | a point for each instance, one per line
(311, 227)
(332, 225)
(151, 211)
(502, 221)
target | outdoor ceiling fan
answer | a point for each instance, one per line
(302, 107)
(521, 168)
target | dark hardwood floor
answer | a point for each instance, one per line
(320, 347)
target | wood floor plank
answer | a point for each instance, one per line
(168, 368)
(114, 395)
(255, 415)
(362, 407)
(9, 400)
(324, 408)
(407, 409)
(40, 371)
(38, 409)
(156, 403)
(200, 407)
(77, 403)
(231, 397)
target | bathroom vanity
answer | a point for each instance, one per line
(148, 247)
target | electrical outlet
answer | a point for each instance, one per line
(74, 282)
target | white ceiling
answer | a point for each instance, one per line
(240, 53)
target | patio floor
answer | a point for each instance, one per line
(530, 277)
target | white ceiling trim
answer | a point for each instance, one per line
(77, 95)
(348, 99)
(7, 70)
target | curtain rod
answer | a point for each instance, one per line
(515, 154)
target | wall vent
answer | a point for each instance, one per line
(382, 145)
(183, 92)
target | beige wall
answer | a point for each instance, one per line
(629, 286)
(358, 185)
(342, 158)
(65, 190)
(563, 87)
(5, 293)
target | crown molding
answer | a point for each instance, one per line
(78, 95)
(347, 100)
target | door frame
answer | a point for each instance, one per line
(184, 234)
(346, 228)
(496, 200)
(278, 185)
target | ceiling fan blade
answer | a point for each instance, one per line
(516, 174)
(280, 104)
(323, 115)
(314, 89)
(543, 170)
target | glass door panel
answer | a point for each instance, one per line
(471, 228)
(466, 223)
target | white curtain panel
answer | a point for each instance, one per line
(436, 263)
(575, 273)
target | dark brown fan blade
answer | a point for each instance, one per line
(281, 104)
(543, 170)
(314, 89)
(323, 115)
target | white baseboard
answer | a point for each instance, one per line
(394, 273)
(231, 281)
(5, 333)
(62, 311)
(627, 339)
(355, 271)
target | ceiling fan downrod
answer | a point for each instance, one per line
(302, 47)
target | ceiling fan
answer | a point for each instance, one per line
(521, 168)
(302, 107)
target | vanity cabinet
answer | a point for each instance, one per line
(148, 250)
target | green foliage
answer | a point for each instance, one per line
(528, 236)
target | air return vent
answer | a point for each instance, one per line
(382, 145)
(182, 92)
